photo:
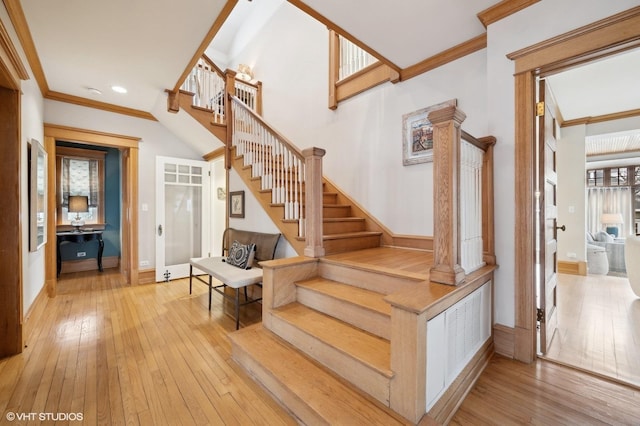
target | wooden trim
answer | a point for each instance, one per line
(572, 267)
(525, 321)
(332, 26)
(128, 146)
(146, 276)
(10, 57)
(34, 314)
(69, 266)
(463, 49)
(502, 10)
(601, 118)
(603, 37)
(16, 14)
(334, 67)
(214, 154)
(222, 17)
(74, 134)
(371, 76)
(443, 410)
(11, 260)
(504, 340)
(90, 103)
(417, 242)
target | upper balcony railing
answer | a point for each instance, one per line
(352, 58)
(209, 84)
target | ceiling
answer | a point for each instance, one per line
(145, 45)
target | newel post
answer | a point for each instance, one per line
(230, 87)
(313, 201)
(446, 192)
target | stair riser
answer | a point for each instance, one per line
(343, 227)
(364, 279)
(339, 211)
(282, 393)
(360, 375)
(371, 321)
(334, 246)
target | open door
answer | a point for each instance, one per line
(182, 214)
(547, 279)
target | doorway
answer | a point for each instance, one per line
(600, 39)
(128, 147)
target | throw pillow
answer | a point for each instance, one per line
(241, 255)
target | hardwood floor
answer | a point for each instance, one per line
(145, 355)
(598, 326)
(153, 354)
(544, 393)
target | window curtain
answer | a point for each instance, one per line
(80, 177)
(609, 200)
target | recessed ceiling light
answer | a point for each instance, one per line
(118, 89)
(94, 91)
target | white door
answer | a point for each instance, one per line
(182, 215)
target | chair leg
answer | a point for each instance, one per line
(237, 308)
(210, 290)
(190, 277)
(245, 294)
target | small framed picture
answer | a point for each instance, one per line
(417, 135)
(236, 204)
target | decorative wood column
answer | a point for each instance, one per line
(230, 85)
(313, 201)
(446, 192)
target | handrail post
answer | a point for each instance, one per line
(230, 79)
(446, 177)
(313, 201)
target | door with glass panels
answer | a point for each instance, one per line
(182, 213)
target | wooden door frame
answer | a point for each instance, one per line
(128, 146)
(609, 36)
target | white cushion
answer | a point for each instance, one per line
(230, 275)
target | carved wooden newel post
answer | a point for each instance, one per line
(313, 201)
(446, 202)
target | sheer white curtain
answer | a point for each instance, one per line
(609, 200)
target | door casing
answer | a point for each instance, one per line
(603, 38)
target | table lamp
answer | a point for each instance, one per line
(611, 219)
(78, 204)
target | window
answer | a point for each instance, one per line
(80, 172)
(595, 177)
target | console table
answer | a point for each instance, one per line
(80, 237)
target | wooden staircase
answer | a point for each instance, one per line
(326, 355)
(342, 231)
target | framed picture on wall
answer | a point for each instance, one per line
(417, 134)
(236, 204)
(37, 195)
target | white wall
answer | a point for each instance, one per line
(571, 196)
(155, 140)
(363, 137)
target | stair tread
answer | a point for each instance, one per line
(328, 396)
(355, 295)
(343, 219)
(369, 349)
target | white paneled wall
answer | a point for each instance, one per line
(454, 337)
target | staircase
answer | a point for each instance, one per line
(326, 355)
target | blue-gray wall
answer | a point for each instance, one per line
(112, 207)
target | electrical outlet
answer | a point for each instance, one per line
(144, 263)
(81, 254)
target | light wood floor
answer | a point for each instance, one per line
(155, 355)
(598, 326)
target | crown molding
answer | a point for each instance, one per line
(77, 100)
(16, 15)
(601, 118)
(206, 41)
(10, 57)
(449, 55)
(503, 9)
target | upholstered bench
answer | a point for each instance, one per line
(231, 276)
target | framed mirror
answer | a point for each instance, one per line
(37, 195)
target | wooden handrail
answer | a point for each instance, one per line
(481, 143)
(287, 142)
